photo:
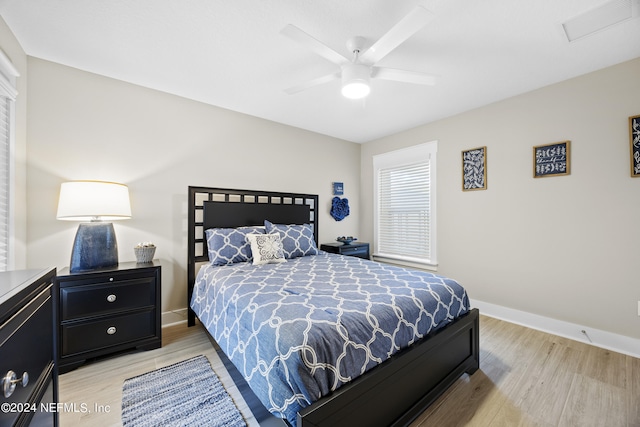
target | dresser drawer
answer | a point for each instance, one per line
(26, 345)
(107, 332)
(107, 297)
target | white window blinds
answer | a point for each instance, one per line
(405, 200)
(5, 158)
(8, 94)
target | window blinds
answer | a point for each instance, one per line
(5, 158)
(8, 94)
(404, 215)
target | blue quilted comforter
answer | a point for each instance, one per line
(298, 330)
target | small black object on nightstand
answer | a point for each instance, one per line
(105, 311)
(360, 250)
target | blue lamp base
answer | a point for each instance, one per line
(95, 247)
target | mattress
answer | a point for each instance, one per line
(299, 330)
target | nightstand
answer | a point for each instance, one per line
(106, 311)
(360, 250)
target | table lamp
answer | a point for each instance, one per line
(99, 202)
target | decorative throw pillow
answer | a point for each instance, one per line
(229, 245)
(266, 248)
(297, 240)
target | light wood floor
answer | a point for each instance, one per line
(526, 378)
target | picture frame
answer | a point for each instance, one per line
(474, 169)
(338, 188)
(634, 145)
(552, 159)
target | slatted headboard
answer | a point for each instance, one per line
(229, 208)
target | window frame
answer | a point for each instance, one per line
(427, 152)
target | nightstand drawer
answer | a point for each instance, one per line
(359, 249)
(104, 298)
(107, 332)
(354, 251)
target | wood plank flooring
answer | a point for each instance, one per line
(530, 378)
(526, 378)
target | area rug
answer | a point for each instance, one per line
(187, 393)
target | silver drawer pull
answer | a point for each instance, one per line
(111, 298)
(10, 380)
(111, 330)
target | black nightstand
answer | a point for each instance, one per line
(360, 250)
(106, 311)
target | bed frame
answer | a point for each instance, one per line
(391, 394)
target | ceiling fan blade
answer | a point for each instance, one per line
(297, 35)
(312, 83)
(408, 26)
(404, 76)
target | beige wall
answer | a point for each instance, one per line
(10, 46)
(564, 247)
(84, 126)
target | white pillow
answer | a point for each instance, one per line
(266, 248)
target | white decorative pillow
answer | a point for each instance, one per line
(266, 248)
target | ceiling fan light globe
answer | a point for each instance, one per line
(355, 81)
(356, 90)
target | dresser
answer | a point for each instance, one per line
(28, 378)
(360, 250)
(107, 311)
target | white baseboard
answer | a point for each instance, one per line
(170, 318)
(599, 338)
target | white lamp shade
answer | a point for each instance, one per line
(355, 81)
(93, 200)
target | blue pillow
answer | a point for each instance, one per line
(230, 245)
(297, 240)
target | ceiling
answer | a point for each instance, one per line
(231, 53)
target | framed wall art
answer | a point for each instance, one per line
(634, 142)
(474, 169)
(552, 159)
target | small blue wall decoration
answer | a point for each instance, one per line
(339, 208)
(338, 188)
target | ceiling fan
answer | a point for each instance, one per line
(357, 72)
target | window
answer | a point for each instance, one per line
(8, 95)
(404, 198)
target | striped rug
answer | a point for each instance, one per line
(187, 393)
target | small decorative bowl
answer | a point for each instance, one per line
(346, 240)
(144, 254)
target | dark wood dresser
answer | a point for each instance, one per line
(106, 311)
(28, 378)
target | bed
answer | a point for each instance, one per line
(373, 377)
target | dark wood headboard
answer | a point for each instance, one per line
(229, 208)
